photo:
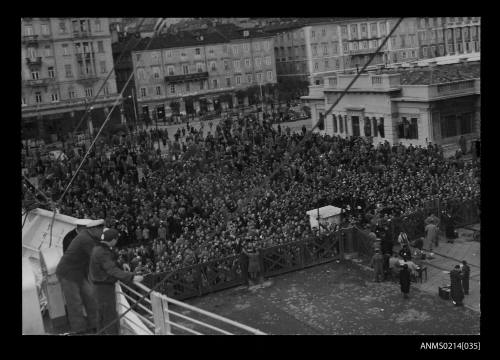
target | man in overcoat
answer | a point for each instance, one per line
(465, 277)
(456, 291)
(377, 263)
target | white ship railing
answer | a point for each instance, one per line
(156, 316)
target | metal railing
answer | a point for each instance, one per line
(161, 315)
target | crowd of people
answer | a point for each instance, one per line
(215, 195)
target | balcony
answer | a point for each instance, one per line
(83, 56)
(81, 34)
(362, 51)
(187, 77)
(34, 62)
(87, 79)
(30, 40)
(38, 82)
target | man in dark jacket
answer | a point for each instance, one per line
(404, 280)
(69, 237)
(72, 272)
(104, 272)
(456, 291)
(465, 277)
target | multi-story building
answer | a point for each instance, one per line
(64, 63)
(411, 105)
(442, 36)
(313, 49)
(189, 72)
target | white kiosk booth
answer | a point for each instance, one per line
(324, 215)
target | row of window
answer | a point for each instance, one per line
(200, 67)
(238, 80)
(431, 51)
(456, 124)
(47, 51)
(54, 96)
(440, 21)
(84, 69)
(235, 50)
(77, 26)
(372, 127)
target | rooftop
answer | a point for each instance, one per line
(438, 74)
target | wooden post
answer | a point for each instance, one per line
(159, 305)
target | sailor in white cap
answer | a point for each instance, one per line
(68, 238)
(72, 272)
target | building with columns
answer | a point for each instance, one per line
(200, 71)
(427, 102)
(64, 62)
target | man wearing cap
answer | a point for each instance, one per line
(69, 237)
(72, 272)
(104, 273)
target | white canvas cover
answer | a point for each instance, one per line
(327, 214)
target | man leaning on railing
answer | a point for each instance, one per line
(104, 273)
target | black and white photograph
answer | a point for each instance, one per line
(251, 176)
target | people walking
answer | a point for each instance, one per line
(377, 263)
(404, 280)
(456, 291)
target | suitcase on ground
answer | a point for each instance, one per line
(444, 292)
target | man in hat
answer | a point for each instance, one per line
(69, 237)
(465, 277)
(104, 272)
(72, 272)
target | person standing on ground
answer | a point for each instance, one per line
(404, 280)
(72, 272)
(465, 277)
(377, 263)
(457, 292)
(431, 236)
(104, 273)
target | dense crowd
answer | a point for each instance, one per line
(198, 202)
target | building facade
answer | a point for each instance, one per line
(436, 103)
(64, 63)
(188, 73)
(317, 49)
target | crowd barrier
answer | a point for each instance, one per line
(204, 278)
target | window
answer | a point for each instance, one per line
(326, 64)
(48, 51)
(141, 74)
(373, 29)
(249, 78)
(236, 65)
(38, 97)
(143, 92)
(188, 87)
(34, 75)
(235, 49)
(460, 48)
(172, 88)
(89, 92)
(51, 72)
(213, 66)
(354, 45)
(168, 53)
(98, 26)
(354, 31)
(215, 83)
(313, 34)
(393, 42)
(202, 85)
(183, 54)
(247, 63)
(345, 47)
(45, 29)
(226, 65)
(341, 124)
(267, 45)
(268, 60)
(71, 94)
(228, 82)
(270, 76)
(316, 66)
(158, 90)
(451, 49)
(364, 29)
(246, 47)
(449, 126)
(374, 123)
(343, 30)
(105, 90)
(414, 128)
(335, 47)
(224, 49)
(466, 126)
(382, 28)
(381, 128)
(185, 69)
(65, 48)
(259, 78)
(170, 70)
(238, 80)
(323, 32)
(156, 72)
(334, 121)
(197, 51)
(337, 63)
(424, 51)
(258, 62)
(199, 67)
(100, 46)
(368, 127)
(325, 50)
(62, 27)
(102, 65)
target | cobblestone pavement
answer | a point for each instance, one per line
(338, 298)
